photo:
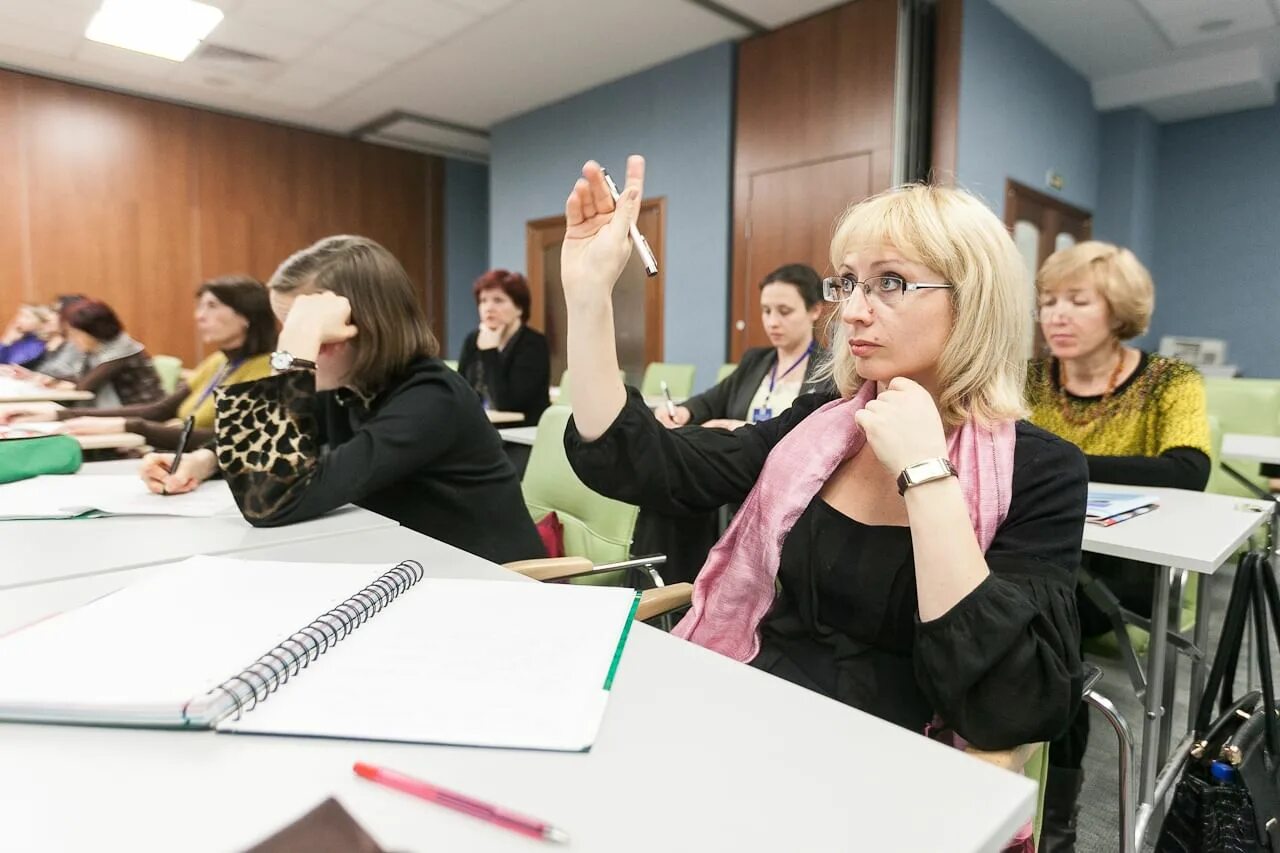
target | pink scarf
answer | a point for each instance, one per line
(735, 588)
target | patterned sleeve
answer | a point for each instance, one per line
(1183, 415)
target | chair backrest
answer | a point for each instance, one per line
(595, 527)
(679, 379)
(725, 371)
(169, 368)
(1249, 406)
(451, 364)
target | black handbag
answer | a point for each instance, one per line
(1227, 799)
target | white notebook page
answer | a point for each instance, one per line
(61, 496)
(480, 663)
(140, 654)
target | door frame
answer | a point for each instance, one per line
(542, 234)
(1015, 191)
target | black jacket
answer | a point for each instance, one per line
(732, 397)
(513, 379)
(420, 452)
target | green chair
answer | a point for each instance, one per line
(679, 379)
(596, 528)
(725, 371)
(1249, 406)
(169, 368)
(451, 364)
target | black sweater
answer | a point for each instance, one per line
(516, 378)
(731, 398)
(1002, 666)
(421, 452)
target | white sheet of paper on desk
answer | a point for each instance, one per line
(69, 496)
(29, 428)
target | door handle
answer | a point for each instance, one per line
(741, 325)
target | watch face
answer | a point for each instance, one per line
(281, 361)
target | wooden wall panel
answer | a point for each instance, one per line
(15, 277)
(948, 25)
(136, 201)
(812, 98)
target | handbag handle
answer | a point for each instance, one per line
(1265, 603)
(1234, 624)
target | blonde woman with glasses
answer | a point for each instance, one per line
(922, 537)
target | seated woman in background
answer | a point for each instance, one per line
(360, 411)
(508, 363)
(60, 359)
(233, 316)
(901, 516)
(768, 379)
(23, 340)
(1139, 418)
(117, 368)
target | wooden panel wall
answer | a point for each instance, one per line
(810, 94)
(136, 202)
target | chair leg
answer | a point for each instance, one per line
(1127, 756)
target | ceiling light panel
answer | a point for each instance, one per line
(169, 29)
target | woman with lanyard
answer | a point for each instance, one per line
(768, 379)
(233, 316)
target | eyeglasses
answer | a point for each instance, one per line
(884, 289)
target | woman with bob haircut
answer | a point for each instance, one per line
(1140, 419)
(923, 539)
(360, 410)
(117, 369)
(233, 316)
(508, 363)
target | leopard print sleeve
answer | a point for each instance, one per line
(267, 442)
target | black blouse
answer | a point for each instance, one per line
(516, 378)
(421, 452)
(1002, 666)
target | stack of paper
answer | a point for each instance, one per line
(74, 496)
(1108, 507)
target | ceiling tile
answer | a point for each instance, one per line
(777, 13)
(303, 17)
(484, 7)
(73, 18)
(297, 98)
(345, 61)
(347, 5)
(119, 59)
(264, 39)
(1207, 25)
(432, 18)
(29, 37)
(379, 39)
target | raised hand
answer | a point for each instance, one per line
(597, 242)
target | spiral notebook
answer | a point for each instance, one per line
(327, 650)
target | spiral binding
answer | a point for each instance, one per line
(296, 652)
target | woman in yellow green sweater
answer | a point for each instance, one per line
(233, 316)
(1140, 419)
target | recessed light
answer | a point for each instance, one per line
(1215, 25)
(170, 29)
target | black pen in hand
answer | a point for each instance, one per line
(187, 426)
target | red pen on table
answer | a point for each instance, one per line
(460, 802)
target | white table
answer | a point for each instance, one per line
(697, 752)
(496, 416)
(519, 435)
(40, 551)
(16, 391)
(1190, 532)
(1259, 448)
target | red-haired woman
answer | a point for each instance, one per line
(508, 363)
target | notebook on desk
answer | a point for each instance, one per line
(70, 496)
(1108, 507)
(327, 650)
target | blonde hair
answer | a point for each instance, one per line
(982, 369)
(393, 326)
(1120, 277)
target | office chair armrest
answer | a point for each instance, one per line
(551, 568)
(664, 599)
(1010, 759)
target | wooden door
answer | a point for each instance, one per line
(637, 299)
(813, 133)
(1041, 225)
(791, 214)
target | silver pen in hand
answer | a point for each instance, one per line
(671, 405)
(641, 244)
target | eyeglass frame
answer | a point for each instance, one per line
(907, 287)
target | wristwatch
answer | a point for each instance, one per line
(282, 361)
(925, 472)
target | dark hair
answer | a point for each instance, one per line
(801, 276)
(384, 308)
(62, 300)
(94, 318)
(511, 283)
(247, 297)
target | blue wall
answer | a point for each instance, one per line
(1023, 112)
(679, 116)
(1127, 183)
(1217, 242)
(466, 246)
